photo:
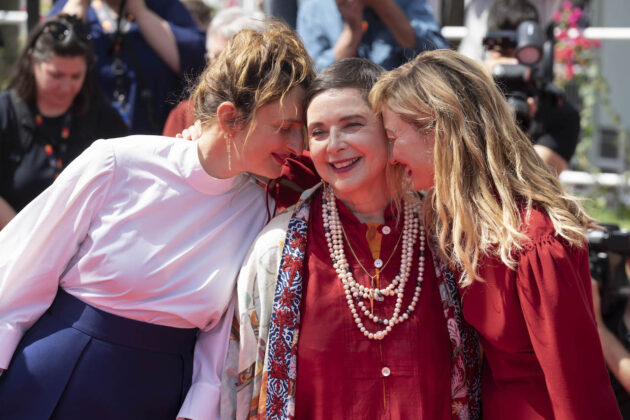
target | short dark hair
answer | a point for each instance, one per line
(506, 15)
(45, 41)
(354, 72)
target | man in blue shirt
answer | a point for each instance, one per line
(387, 32)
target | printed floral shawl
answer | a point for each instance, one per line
(261, 366)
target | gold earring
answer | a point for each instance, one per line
(228, 138)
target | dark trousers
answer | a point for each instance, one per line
(78, 362)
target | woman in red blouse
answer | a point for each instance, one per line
(343, 311)
(503, 221)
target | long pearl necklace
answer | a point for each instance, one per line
(353, 290)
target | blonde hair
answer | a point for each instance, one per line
(486, 170)
(255, 68)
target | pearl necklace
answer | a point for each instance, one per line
(355, 291)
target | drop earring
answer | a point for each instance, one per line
(228, 138)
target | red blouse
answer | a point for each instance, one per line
(542, 355)
(340, 372)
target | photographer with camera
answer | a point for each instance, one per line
(610, 269)
(521, 62)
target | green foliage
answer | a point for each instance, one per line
(600, 211)
(577, 65)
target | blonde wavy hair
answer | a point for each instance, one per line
(486, 170)
(254, 69)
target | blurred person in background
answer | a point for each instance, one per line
(613, 326)
(51, 112)
(552, 123)
(476, 18)
(386, 32)
(200, 12)
(227, 23)
(144, 50)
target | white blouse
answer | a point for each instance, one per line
(135, 227)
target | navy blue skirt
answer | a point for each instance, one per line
(78, 362)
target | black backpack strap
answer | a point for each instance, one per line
(25, 126)
(16, 141)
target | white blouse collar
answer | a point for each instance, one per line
(200, 180)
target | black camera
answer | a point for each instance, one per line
(608, 249)
(533, 76)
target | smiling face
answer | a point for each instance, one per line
(58, 81)
(347, 144)
(412, 148)
(277, 134)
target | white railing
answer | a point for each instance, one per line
(588, 179)
(456, 33)
(13, 17)
(577, 182)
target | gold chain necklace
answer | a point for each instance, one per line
(378, 270)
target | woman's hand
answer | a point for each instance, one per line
(191, 133)
(351, 12)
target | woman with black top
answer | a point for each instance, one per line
(51, 111)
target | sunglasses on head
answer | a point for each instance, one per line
(61, 31)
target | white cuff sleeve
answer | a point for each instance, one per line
(202, 400)
(9, 340)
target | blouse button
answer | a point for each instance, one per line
(385, 371)
(386, 230)
(378, 263)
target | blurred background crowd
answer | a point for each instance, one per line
(72, 71)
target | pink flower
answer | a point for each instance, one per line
(557, 15)
(569, 72)
(567, 5)
(559, 34)
(575, 16)
(564, 54)
(583, 43)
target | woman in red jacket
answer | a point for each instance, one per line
(502, 221)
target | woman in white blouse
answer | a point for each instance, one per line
(116, 283)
